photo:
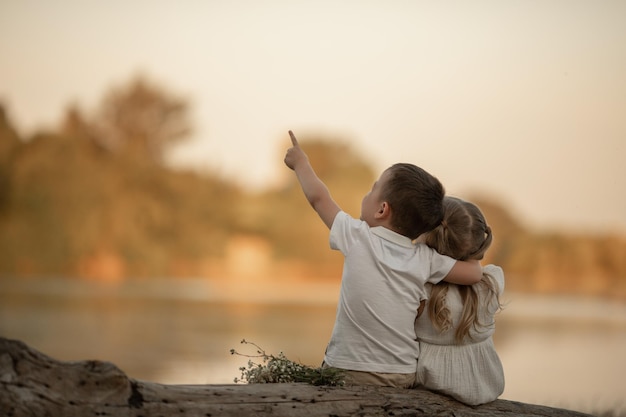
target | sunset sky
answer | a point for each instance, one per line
(524, 101)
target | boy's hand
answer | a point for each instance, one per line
(295, 154)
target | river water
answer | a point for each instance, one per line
(558, 351)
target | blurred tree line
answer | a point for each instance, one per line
(94, 198)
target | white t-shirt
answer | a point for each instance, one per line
(382, 285)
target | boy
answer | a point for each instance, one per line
(384, 272)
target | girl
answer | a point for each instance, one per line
(457, 355)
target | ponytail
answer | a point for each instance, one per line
(463, 234)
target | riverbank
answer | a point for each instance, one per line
(556, 351)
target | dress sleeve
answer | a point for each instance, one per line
(498, 275)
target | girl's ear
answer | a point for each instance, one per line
(384, 210)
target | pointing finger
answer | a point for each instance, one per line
(294, 141)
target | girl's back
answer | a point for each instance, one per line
(468, 370)
(488, 306)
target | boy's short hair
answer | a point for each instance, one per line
(415, 198)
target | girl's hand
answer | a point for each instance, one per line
(295, 154)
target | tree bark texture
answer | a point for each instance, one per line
(33, 384)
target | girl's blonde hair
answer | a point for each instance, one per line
(463, 234)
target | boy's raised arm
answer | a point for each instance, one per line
(314, 189)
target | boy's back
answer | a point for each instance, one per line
(381, 288)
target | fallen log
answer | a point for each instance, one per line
(33, 384)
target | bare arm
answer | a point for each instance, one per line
(465, 273)
(314, 189)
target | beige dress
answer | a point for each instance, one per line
(470, 372)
